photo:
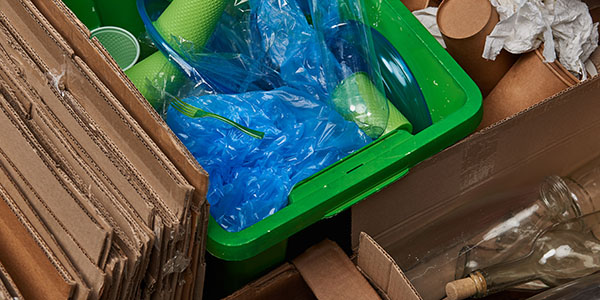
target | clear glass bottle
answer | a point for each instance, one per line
(586, 288)
(560, 253)
(559, 199)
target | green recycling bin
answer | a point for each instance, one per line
(455, 105)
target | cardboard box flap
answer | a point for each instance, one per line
(28, 265)
(285, 282)
(331, 274)
(383, 272)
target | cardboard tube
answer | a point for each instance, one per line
(464, 25)
(413, 5)
(528, 82)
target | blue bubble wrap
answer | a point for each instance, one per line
(250, 179)
(278, 82)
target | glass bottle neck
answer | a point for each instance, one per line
(502, 276)
(564, 198)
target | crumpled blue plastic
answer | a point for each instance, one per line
(283, 93)
(250, 179)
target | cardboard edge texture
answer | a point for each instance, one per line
(93, 55)
(36, 279)
(331, 274)
(383, 272)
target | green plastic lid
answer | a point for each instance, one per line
(120, 44)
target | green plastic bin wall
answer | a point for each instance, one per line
(455, 105)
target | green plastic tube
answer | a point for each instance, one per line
(358, 100)
(188, 20)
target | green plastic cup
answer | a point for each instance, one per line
(120, 44)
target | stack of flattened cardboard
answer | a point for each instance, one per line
(90, 207)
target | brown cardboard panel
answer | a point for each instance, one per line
(110, 114)
(283, 283)
(6, 188)
(81, 290)
(29, 21)
(467, 187)
(117, 290)
(9, 284)
(66, 116)
(78, 109)
(82, 237)
(142, 152)
(108, 72)
(198, 257)
(382, 271)
(111, 264)
(65, 121)
(91, 230)
(331, 275)
(130, 235)
(28, 265)
(79, 80)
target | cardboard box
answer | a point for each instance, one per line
(325, 272)
(422, 219)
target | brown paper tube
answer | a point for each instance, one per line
(528, 82)
(464, 25)
(413, 5)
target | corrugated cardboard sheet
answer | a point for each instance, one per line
(89, 171)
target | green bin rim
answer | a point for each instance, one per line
(299, 214)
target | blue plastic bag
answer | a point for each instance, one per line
(250, 179)
(269, 68)
(270, 60)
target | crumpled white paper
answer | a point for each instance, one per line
(427, 17)
(564, 26)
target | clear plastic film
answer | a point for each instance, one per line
(350, 67)
(176, 264)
